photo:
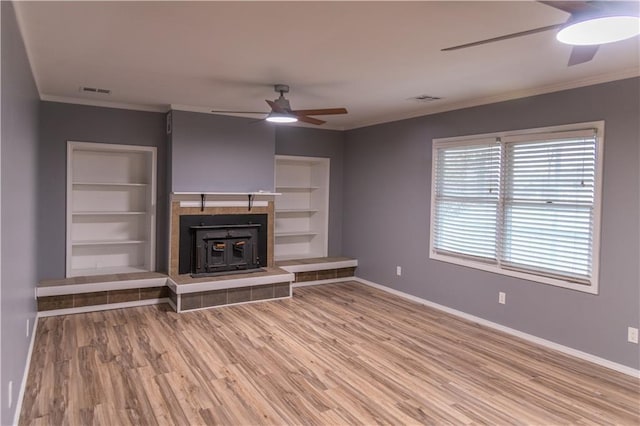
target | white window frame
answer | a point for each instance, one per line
(591, 288)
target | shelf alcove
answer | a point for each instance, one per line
(302, 209)
(111, 208)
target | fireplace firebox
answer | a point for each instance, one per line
(222, 244)
(225, 248)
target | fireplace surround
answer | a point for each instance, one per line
(228, 209)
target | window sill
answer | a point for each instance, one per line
(584, 288)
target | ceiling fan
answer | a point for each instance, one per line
(580, 29)
(281, 111)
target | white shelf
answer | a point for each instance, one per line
(297, 256)
(306, 211)
(297, 188)
(106, 242)
(111, 202)
(107, 213)
(226, 193)
(108, 184)
(107, 271)
(296, 234)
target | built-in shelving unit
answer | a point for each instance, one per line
(111, 208)
(302, 209)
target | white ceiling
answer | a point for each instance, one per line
(370, 57)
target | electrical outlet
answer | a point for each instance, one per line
(398, 270)
(632, 335)
(28, 328)
(502, 297)
(10, 394)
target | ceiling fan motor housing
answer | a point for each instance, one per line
(283, 103)
(281, 88)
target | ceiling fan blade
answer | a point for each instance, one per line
(275, 107)
(323, 111)
(571, 6)
(217, 111)
(581, 54)
(596, 7)
(504, 37)
(310, 120)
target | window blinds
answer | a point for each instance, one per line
(524, 202)
(548, 213)
(467, 181)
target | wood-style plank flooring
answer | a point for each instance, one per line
(332, 355)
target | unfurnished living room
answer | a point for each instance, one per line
(320, 212)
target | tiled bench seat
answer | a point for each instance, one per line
(320, 269)
(184, 293)
(85, 294)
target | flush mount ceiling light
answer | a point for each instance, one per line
(601, 30)
(281, 117)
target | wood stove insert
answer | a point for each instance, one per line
(222, 244)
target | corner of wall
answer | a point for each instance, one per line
(20, 104)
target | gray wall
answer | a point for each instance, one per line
(19, 206)
(320, 143)
(219, 153)
(60, 123)
(386, 219)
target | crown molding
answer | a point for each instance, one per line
(105, 104)
(507, 96)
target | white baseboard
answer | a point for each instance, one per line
(530, 337)
(25, 375)
(318, 282)
(95, 308)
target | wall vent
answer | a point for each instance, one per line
(425, 98)
(95, 90)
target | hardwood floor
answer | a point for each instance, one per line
(334, 354)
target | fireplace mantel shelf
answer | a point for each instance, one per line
(227, 193)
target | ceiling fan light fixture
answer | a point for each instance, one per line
(281, 117)
(599, 30)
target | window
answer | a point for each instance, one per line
(524, 203)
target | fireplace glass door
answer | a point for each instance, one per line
(224, 248)
(225, 253)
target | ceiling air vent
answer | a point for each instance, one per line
(425, 98)
(95, 90)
